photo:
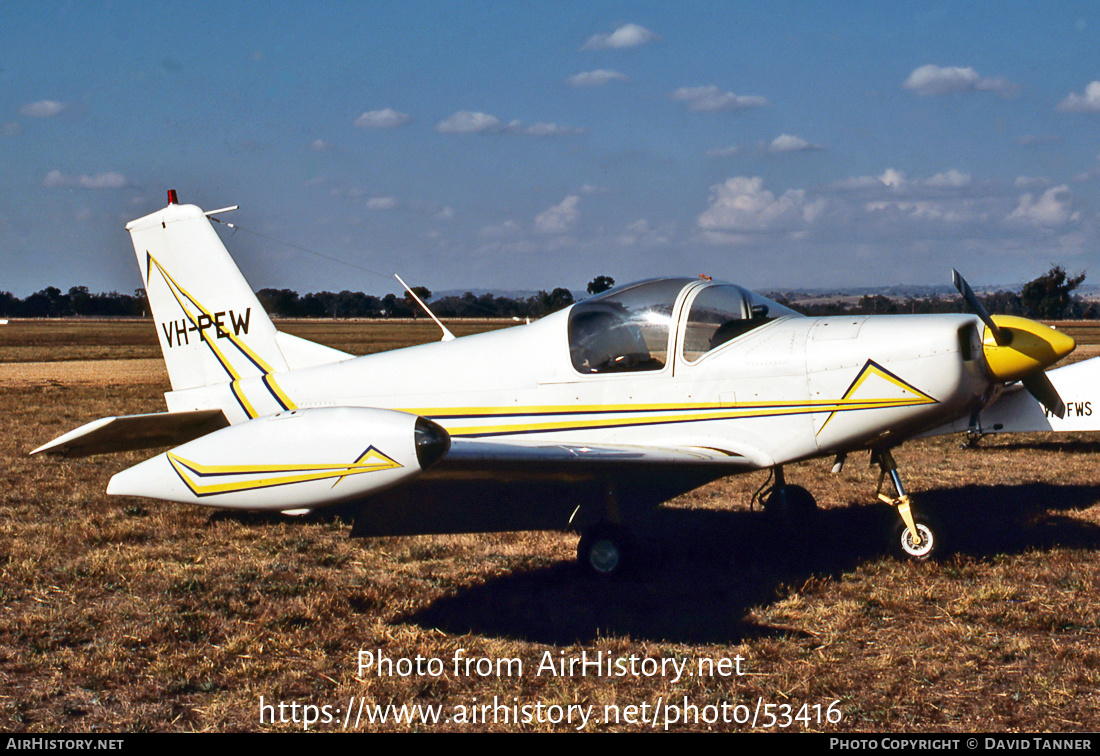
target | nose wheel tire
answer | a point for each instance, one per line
(606, 550)
(930, 546)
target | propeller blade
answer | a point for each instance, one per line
(1000, 335)
(1040, 387)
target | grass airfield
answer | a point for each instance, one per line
(123, 614)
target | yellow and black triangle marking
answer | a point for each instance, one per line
(207, 480)
(872, 368)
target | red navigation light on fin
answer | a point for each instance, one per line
(172, 200)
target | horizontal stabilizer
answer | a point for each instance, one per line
(300, 353)
(115, 434)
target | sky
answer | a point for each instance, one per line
(528, 145)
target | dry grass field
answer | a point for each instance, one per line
(137, 615)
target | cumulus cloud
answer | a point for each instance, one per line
(319, 145)
(1053, 208)
(1087, 102)
(900, 221)
(42, 109)
(711, 99)
(1031, 182)
(505, 230)
(951, 179)
(784, 143)
(742, 204)
(560, 218)
(641, 234)
(898, 182)
(628, 35)
(596, 78)
(470, 122)
(893, 178)
(387, 118)
(382, 203)
(551, 129)
(791, 143)
(1034, 140)
(725, 152)
(108, 180)
(937, 80)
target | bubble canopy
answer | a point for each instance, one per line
(629, 329)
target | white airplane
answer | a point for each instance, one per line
(585, 419)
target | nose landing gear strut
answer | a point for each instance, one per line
(915, 536)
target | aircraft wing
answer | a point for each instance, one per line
(129, 432)
(552, 458)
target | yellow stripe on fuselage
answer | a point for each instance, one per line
(620, 416)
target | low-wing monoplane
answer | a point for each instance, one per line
(584, 419)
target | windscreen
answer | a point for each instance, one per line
(625, 329)
(721, 313)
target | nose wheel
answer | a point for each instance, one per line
(905, 546)
(917, 536)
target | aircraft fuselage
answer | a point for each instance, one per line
(790, 389)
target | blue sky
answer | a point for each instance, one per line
(524, 145)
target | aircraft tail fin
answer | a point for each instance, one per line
(1019, 412)
(212, 328)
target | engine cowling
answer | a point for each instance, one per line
(301, 459)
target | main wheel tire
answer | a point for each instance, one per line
(606, 550)
(930, 547)
(792, 508)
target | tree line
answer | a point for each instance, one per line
(1048, 297)
(51, 303)
(284, 303)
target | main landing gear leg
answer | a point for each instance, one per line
(974, 432)
(915, 537)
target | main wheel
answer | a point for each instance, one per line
(606, 550)
(792, 507)
(930, 546)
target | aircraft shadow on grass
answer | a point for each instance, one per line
(700, 579)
